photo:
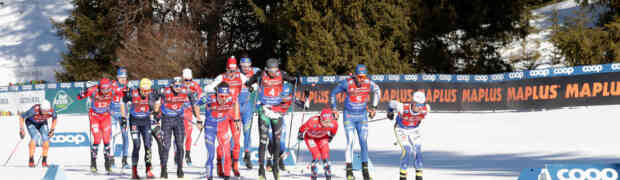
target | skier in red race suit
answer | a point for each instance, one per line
(193, 87)
(235, 81)
(99, 113)
(317, 132)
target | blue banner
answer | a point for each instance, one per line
(582, 171)
(69, 139)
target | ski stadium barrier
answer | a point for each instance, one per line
(524, 90)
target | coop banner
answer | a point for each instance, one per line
(523, 94)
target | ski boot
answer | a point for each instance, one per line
(365, 171)
(236, 168)
(261, 172)
(314, 170)
(134, 172)
(403, 174)
(93, 165)
(418, 174)
(350, 172)
(226, 177)
(108, 164)
(31, 162)
(188, 159)
(44, 161)
(246, 160)
(281, 165)
(164, 172)
(275, 171)
(149, 174)
(180, 173)
(327, 170)
(220, 171)
(124, 163)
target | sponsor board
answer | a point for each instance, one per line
(69, 139)
(289, 157)
(581, 172)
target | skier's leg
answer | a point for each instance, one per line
(179, 137)
(224, 144)
(246, 117)
(106, 130)
(95, 130)
(166, 129)
(137, 142)
(362, 134)
(210, 134)
(235, 145)
(349, 130)
(45, 142)
(187, 119)
(416, 140)
(263, 140)
(145, 131)
(276, 129)
(406, 150)
(313, 148)
(35, 138)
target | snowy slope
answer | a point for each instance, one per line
(29, 48)
(476, 146)
(540, 42)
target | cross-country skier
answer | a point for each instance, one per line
(142, 103)
(408, 119)
(194, 87)
(102, 96)
(247, 103)
(235, 80)
(358, 90)
(283, 108)
(35, 120)
(220, 114)
(121, 76)
(171, 104)
(269, 92)
(318, 132)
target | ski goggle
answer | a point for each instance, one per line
(272, 70)
(177, 86)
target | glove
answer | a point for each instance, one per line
(330, 138)
(22, 134)
(81, 94)
(269, 113)
(199, 124)
(51, 133)
(300, 136)
(123, 122)
(372, 112)
(390, 115)
(156, 132)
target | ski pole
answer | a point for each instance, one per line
(200, 133)
(13, 152)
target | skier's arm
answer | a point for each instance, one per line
(25, 115)
(253, 79)
(195, 108)
(86, 93)
(158, 99)
(288, 77)
(211, 86)
(334, 129)
(332, 96)
(127, 96)
(376, 91)
(304, 127)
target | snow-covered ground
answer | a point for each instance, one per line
(29, 47)
(476, 146)
(540, 42)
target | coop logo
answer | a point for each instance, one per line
(595, 68)
(497, 77)
(51, 86)
(539, 73)
(65, 85)
(588, 174)
(342, 78)
(378, 77)
(62, 101)
(567, 71)
(515, 75)
(329, 78)
(40, 86)
(27, 87)
(411, 77)
(313, 79)
(445, 77)
(481, 78)
(462, 77)
(394, 77)
(69, 139)
(615, 66)
(428, 77)
(162, 82)
(79, 84)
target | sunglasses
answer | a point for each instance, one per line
(188, 80)
(177, 86)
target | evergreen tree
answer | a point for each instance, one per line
(93, 39)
